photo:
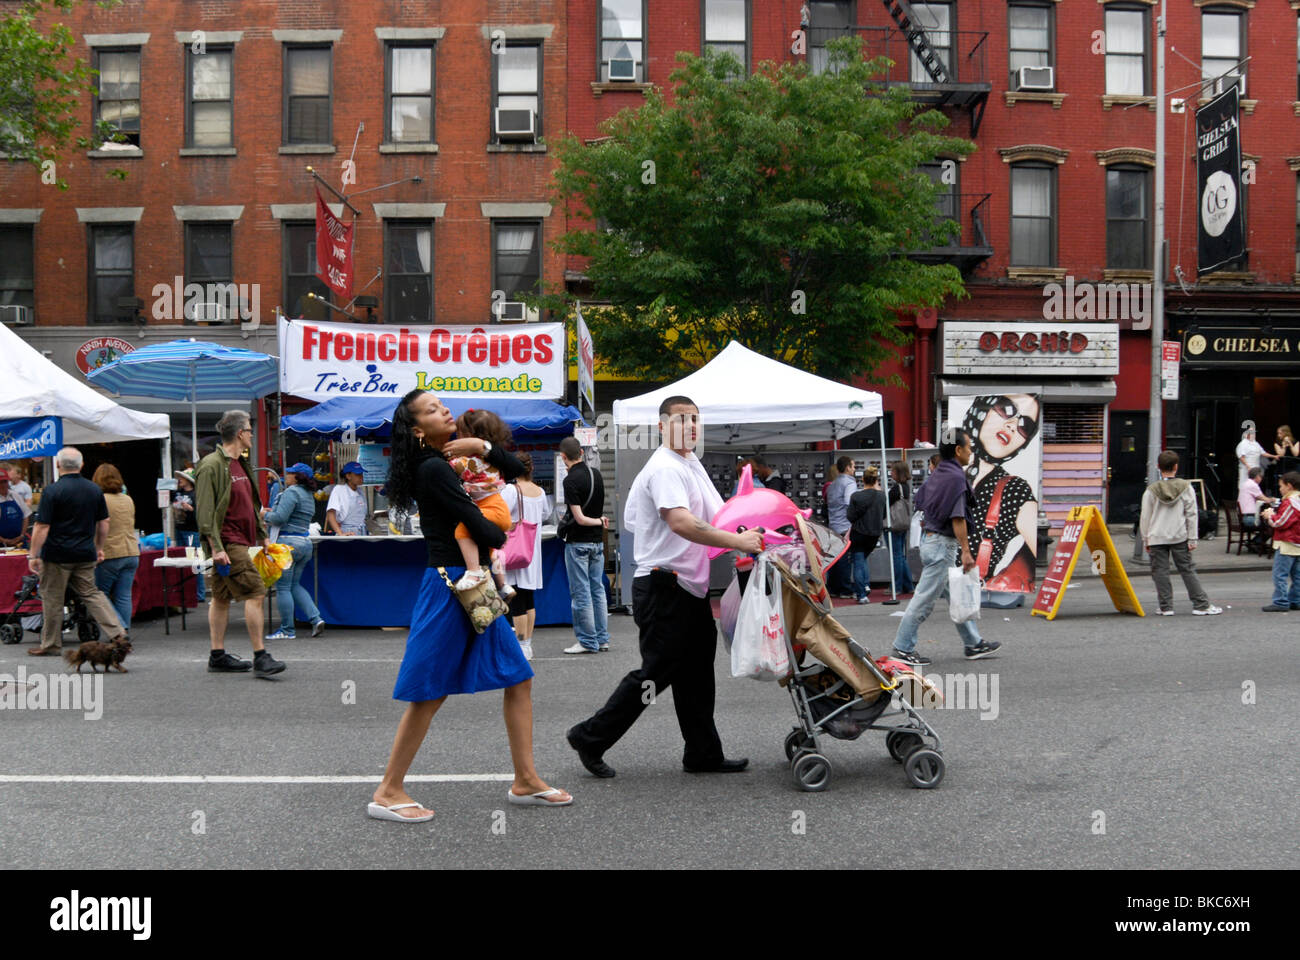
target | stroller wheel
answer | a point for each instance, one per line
(11, 633)
(796, 741)
(812, 772)
(924, 767)
(901, 744)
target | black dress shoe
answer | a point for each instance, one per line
(594, 764)
(726, 766)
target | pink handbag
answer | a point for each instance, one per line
(520, 542)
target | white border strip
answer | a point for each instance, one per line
(231, 778)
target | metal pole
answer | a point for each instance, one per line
(889, 543)
(1155, 432)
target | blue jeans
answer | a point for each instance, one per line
(1286, 568)
(938, 554)
(861, 574)
(585, 565)
(115, 578)
(291, 597)
(902, 572)
(191, 539)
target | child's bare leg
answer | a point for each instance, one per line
(468, 550)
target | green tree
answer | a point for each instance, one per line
(44, 90)
(775, 209)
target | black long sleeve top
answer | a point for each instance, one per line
(443, 503)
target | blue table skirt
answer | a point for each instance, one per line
(371, 583)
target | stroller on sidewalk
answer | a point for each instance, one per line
(837, 688)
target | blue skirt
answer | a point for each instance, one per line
(443, 653)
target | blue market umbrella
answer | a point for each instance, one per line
(190, 370)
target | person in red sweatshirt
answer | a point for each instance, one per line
(1285, 521)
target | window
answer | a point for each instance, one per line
(118, 101)
(17, 266)
(1223, 44)
(1030, 43)
(622, 37)
(517, 84)
(516, 257)
(300, 272)
(210, 121)
(726, 28)
(1033, 215)
(112, 271)
(945, 198)
(936, 19)
(826, 21)
(209, 260)
(307, 95)
(408, 271)
(410, 94)
(1126, 52)
(1128, 231)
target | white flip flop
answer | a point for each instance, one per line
(381, 812)
(538, 799)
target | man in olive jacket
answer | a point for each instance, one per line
(228, 511)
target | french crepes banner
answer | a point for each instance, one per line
(333, 249)
(323, 360)
(1221, 237)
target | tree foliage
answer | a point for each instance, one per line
(44, 89)
(747, 199)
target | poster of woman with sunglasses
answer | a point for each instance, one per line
(1005, 466)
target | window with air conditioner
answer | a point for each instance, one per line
(17, 274)
(517, 83)
(516, 262)
(622, 41)
(209, 262)
(1029, 47)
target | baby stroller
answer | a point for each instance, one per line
(11, 627)
(843, 692)
(75, 615)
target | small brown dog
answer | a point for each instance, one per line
(105, 654)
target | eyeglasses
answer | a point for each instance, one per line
(1027, 427)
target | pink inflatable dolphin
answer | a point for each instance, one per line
(750, 508)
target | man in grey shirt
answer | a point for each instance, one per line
(837, 505)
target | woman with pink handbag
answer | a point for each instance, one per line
(529, 507)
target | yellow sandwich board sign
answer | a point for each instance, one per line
(1085, 527)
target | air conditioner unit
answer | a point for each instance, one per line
(212, 311)
(516, 124)
(1036, 78)
(622, 70)
(513, 311)
(17, 315)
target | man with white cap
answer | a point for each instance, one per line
(345, 513)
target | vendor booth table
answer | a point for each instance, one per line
(147, 594)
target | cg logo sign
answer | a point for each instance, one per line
(1218, 203)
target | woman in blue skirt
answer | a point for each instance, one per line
(443, 654)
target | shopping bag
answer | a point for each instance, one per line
(520, 544)
(758, 650)
(272, 561)
(729, 611)
(964, 594)
(914, 531)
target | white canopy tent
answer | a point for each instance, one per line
(745, 399)
(32, 386)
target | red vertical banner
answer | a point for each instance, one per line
(333, 249)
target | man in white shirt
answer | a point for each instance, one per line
(345, 513)
(668, 511)
(1248, 453)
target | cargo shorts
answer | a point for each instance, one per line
(242, 583)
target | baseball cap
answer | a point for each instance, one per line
(4, 476)
(302, 470)
(353, 467)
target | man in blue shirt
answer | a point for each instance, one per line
(942, 500)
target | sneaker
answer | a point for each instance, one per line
(912, 658)
(265, 665)
(317, 628)
(1210, 611)
(1166, 613)
(527, 647)
(283, 634)
(982, 649)
(1274, 608)
(604, 648)
(221, 662)
(864, 599)
(579, 648)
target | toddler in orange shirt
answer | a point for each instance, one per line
(484, 483)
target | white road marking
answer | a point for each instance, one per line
(251, 779)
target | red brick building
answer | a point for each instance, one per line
(1060, 190)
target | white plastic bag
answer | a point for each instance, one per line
(758, 650)
(964, 594)
(914, 531)
(729, 611)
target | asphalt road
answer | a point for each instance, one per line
(1137, 725)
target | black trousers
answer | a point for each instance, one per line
(678, 642)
